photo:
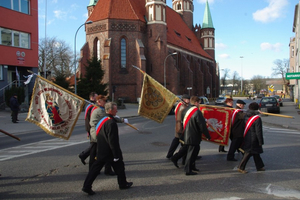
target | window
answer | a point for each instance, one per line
(98, 50)
(14, 38)
(123, 53)
(17, 5)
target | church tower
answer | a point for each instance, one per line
(91, 6)
(157, 37)
(208, 33)
(185, 8)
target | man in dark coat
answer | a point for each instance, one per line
(237, 129)
(87, 116)
(108, 150)
(194, 126)
(14, 106)
(228, 103)
(253, 139)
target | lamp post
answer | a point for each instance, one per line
(165, 66)
(241, 74)
(88, 22)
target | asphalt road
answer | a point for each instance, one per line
(49, 168)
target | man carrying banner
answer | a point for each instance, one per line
(178, 124)
(237, 129)
(228, 103)
(87, 116)
(253, 139)
(108, 150)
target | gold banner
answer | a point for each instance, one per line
(156, 101)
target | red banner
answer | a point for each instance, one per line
(219, 123)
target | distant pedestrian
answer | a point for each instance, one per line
(253, 139)
(14, 106)
(108, 150)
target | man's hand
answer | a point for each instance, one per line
(116, 159)
(126, 121)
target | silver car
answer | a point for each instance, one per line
(220, 101)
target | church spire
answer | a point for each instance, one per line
(207, 20)
(93, 2)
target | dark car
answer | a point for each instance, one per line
(260, 95)
(269, 104)
(204, 100)
(220, 101)
(279, 99)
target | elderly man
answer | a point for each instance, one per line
(108, 150)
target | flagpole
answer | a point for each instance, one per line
(6, 133)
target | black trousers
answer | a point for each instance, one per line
(257, 160)
(234, 145)
(173, 147)
(14, 116)
(86, 152)
(93, 155)
(180, 154)
(118, 167)
(191, 157)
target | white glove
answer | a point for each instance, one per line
(126, 121)
(116, 159)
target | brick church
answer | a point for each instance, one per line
(160, 40)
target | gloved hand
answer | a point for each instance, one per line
(116, 159)
(126, 121)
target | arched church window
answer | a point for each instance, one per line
(179, 6)
(123, 53)
(98, 50)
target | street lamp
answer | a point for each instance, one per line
(241, 74)
(165, 67)
(88, 22)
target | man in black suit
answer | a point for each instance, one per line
(108, 150)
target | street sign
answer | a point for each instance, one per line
(295, 75)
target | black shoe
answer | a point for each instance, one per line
(174, 162)
(195, 169)
(15, 122)
(89, 191)
(111, 173)
(190, 173)
(82, 160)
(168, 157)
(222, 151)
(233, 159)
(128, 185)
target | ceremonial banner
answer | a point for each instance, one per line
(156, 101)
(219, 120)
(54, 109)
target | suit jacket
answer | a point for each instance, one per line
(108, 146)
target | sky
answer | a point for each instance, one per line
(249, 34)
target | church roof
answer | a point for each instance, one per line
(119, 9)
(178, 33)
(207, 20)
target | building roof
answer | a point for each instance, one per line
(207, 20)
(119, 9)
(178, 33)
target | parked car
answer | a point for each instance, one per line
(269, 104)
(260, 95)
(204, 100)
(220, 101)
(279, 99)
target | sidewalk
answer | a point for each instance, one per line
(131, 110)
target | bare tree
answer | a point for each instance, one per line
(58, 57)
(280, 69)
(235, 81)
(224, 77)
(259, 83)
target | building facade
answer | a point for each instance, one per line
(18, 43)
(160, 40)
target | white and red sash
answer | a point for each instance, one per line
(249, 123)
(177, 108)
(188, 116)
(234, 115)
